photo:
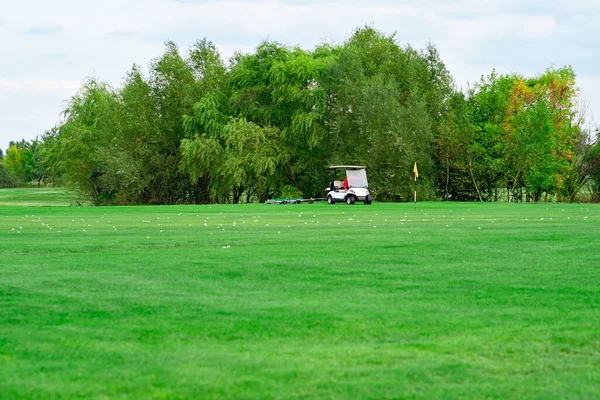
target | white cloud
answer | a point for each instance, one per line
(396, 10)
(502, 26)
(539, 27)
(16, 86)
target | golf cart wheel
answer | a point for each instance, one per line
(350, 199)
(368, 199)
(329, 199)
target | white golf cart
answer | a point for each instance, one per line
(354, 188)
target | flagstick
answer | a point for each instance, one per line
(415, 192)
(415, 173)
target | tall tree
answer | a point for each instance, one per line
(13, 160)
(384, 110)
(89, 125)
(281, 87)
(196, 130)
(527, 135)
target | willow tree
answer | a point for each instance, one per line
(385, 104)
(271, 104)
(89, 124)
(281, 87)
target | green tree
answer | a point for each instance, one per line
(272, 97)
(460, 158)
(195, 130)
(527, 140)
(7, 179)
(384, 110)
(133, 152)
(32, 162)
(281, 87)
(89, 125)
(49, 154)
(252, 157)
(13, 160)
(592, 167)
(201, 149)
(175, 90)
(122, 146)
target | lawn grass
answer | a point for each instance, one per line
(308, 301)
(37, 197)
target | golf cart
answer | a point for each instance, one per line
(353, 188)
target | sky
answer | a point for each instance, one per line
(47, 48)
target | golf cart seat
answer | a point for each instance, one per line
(338, 184)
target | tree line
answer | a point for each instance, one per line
(197, 129)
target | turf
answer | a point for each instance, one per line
(300, 301)
(37, 197)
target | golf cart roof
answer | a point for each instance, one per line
(348, 167)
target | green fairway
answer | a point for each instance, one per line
(301, 301)
(37, 197)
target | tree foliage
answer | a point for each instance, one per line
(516, 133)
(195, 129)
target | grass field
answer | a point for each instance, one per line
(37, 197)
(300, 301)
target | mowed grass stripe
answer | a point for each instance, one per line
(326, 301)
(36, 197)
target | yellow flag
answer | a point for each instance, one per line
(416, 171)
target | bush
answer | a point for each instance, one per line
(8, 180)
(290, 192)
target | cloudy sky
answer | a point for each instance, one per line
(48, 47)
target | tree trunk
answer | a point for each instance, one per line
(473, 177)
(237, 193)
(447, 177)
(292, 174)
(514, 184)
(520, 194)
(95, 194)
(264, 196)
